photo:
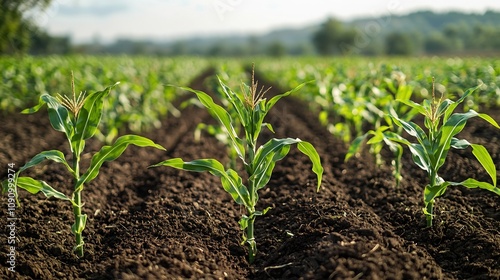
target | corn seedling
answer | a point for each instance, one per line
(432, 148)
(382, 134)
(379, 136)
(216, 130)
(78, 118)
(251, 107)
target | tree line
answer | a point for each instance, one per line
(454, 37)
(418, 33)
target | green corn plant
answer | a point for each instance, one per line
(78, 118)
(259, 162)
(216, 130)
(432, 148)
(382, 134)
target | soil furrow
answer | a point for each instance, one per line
(30, 134)
(290, 119)
(162, 223)
(376, 189)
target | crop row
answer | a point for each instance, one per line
(359, 100)
(141, 99)
(383, 98)
(346, 92)
(352, 94)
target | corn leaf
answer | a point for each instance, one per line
(110, 153)
(396, 138)
(454, 105)
(223, 117)
(452, 127)
(35, 108)
(254, 127)
(89, 118)
(54, 155)
(393, 146)
(420, 157)
(308, 149)
(459, 144)
(355, 146)
(243, 222)
(482, 155)
(79, 226)
(443, 106)
(237, 102)
(413, 105)
(269, 126)
(414, 130)
(35, 186)
(271, 147)
(269, 104)
(378, 135)
(264, 169)
(472, 183)
(274, 150)
(231, 181)
(489, 120)
(58, 114)
(233, 184)
(419, 154)
(432, 192)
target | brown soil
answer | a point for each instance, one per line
(162, 223)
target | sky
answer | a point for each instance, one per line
(88, 20)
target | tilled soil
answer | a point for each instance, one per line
(162, 223)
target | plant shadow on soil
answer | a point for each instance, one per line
(163, 223)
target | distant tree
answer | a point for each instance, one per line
(452, 31)
(218, 49)
(43, 43)
(179, 48)
(494, 42)
(238, 50)
(139, 48)
(484, 37)
(305, 48)
(375, 48)
(436, 43)
(399, 44)
(455, 34)
(16, 28)
(253, 45)
(276, 49)
(347, 42)
(333, 38)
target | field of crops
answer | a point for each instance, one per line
(405, 151)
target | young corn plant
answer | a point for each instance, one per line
(258, 161)
(218, 131)
(78, 118)
(378, 136)
(432, 147)
(384, 127)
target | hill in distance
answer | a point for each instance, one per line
(419, 25)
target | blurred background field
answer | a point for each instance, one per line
(358, 57)
(240, 28)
